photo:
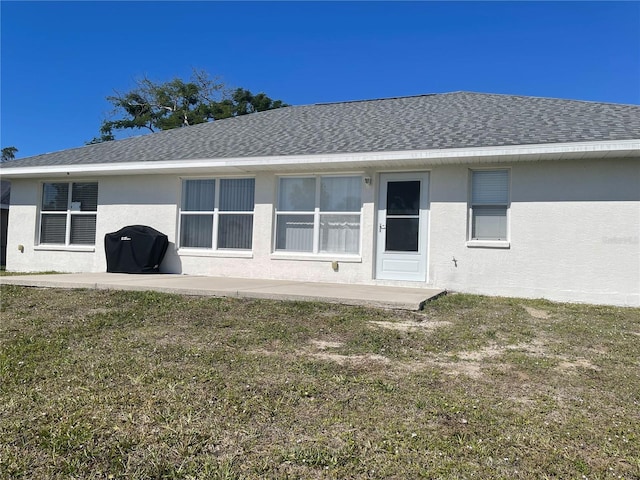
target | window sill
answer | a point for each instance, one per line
(192, 252)
(488, 244)
(65, 248)
(324, 257)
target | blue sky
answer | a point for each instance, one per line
(61, 59)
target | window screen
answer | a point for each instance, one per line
(489, 204)
(68, 219)
(217, 213)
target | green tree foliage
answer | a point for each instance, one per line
(177, 103)
(245, 102)
(8, 153)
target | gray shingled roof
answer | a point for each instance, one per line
(439, 121)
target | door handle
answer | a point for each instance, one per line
(381, 227)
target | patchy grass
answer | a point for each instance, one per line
(97, 384)
(4, 273)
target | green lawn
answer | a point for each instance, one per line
(97, 384)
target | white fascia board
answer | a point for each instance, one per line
(515, 153)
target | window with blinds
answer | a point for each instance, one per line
(320, 214)
(489, 204)
(68, 213)
(217, 214)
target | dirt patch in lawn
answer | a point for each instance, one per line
(324, 344)
(318, 349)
(536, 312)
(470, 369)
(406, 326)
(100, 311)
(581, 362)
(353, 359)
(484, 353)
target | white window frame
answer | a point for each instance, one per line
(69, 213)
(489, 243)
(315, 253)
(215, 213)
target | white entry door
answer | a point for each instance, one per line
(403, 207)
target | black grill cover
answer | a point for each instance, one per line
(135, 249)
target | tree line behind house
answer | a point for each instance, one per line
(156, 106)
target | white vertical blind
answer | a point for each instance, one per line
(234, 230)
(237, 194)
(196, 231)
(198, 195)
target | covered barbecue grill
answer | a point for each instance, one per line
(135, 249)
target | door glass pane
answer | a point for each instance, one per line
(402, 235)
(294, 233)
(403, 198)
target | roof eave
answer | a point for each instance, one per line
(359, 160)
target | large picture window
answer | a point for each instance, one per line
(320, 214)
(217, 213)
(489, 204)
(68, 213)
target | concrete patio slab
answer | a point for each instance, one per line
(368, 295)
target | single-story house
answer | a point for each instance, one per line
(482, 193)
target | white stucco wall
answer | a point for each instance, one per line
(121, 201)
(23, 221)
(263, 263)
(574, 233)
(152, 200)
